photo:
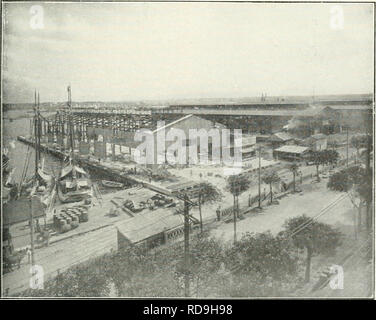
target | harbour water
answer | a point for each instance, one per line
(18, 151)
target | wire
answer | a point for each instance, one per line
(322, 212)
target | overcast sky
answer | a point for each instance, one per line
(127, 51)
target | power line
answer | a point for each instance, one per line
(322, 212)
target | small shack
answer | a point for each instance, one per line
(291, 153)
(280, 138)
(149, 230)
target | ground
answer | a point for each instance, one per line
(99, 234)
(272, 217)
(334, 209)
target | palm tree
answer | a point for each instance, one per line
(318, 158)
(316, 237)
(207, 193)
(270, 178)
(236, 185)
(293, 167)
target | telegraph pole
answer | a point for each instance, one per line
(259, 179)
(186, 246)
(32, 230)
(235, 210)
(347, 146)
(36, 132)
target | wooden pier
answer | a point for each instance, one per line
(86, 162)
(95, 166)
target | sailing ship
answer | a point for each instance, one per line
(7, 173)
(74, 183)
(32, 199)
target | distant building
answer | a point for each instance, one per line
(281, 138)
(248, 146)
(316, 142)
(291, 153)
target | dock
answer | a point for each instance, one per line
(108, 170)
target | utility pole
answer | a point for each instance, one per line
(199, 208)
(235, 210)
(259, 179)
(36, 132)
(347, 146)
(186, 246)
(32, 230)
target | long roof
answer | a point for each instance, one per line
(144, 226)
(351, 107)
(292, 149)
(284, 136)
(173, 123)
(318, 136)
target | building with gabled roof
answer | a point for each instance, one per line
(291, 153)
(280, 138)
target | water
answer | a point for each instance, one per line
(18, 151)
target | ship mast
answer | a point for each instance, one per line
(70, 123)
(36, 132)
(37, 158)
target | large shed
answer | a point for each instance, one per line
(149, 230)
(291, 152)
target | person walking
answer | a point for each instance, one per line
(47, 237)
(28, 252)
(218, 213)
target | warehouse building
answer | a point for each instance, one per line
(291, 153)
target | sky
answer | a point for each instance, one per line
(141, 51)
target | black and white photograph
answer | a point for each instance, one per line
(194, 150)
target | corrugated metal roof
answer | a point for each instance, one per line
(284, 136)
(144, 226)
(292, 149)
(351, 107)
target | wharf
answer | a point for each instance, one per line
(111, 170)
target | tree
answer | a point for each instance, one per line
(264, 258)
(318, 158)
(236, 185)
(207, 193)
(270, 178)
(365, 192)
(293, 167)
(87, 279)
(357, 183)
(330, 156)
(206, 256)
(314, 236)
(358, 142)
